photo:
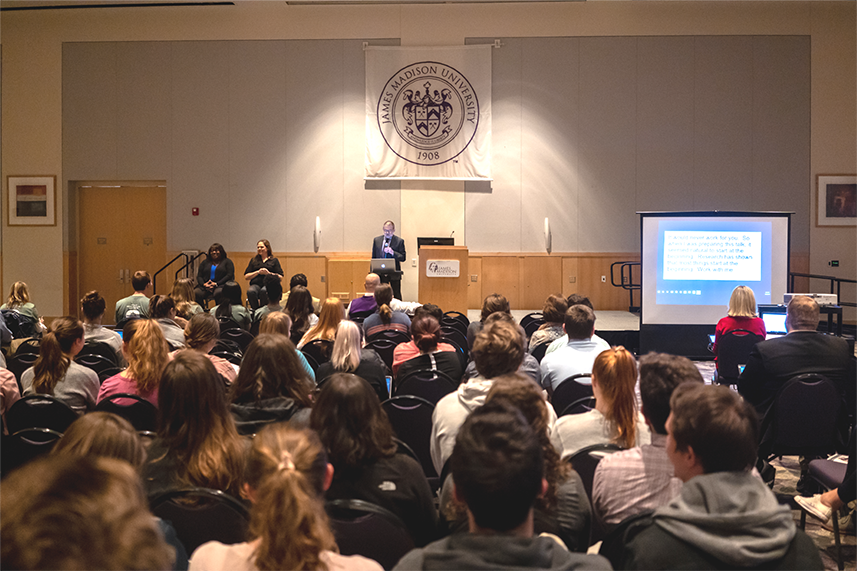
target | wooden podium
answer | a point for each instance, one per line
(450, 293)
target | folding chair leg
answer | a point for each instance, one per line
(839, 563)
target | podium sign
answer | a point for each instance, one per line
(443, 276)
(442, 268)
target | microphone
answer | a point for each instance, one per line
(385, 246)
(451, 233)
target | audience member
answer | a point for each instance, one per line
(300, 280)
(615, 418)
(275, 294)
(385, 318)
(19, 301)
(498, 469)
(93, 307)
(349, 356)
(426, 335)
(641, 478)
(286, 476)
(272, 385)
(136, 305)
(364, 305)
(9, 394)
(329, 317)
(197, 444)
(577, 356)
(803, 350)
(300, 309)
(64, 512)
(553, 314)
(182, 294)
(529, 366)
(213, 273)
(824, 506)
(741, 315)
(55, 372)
(409, 350)
(491, 304)
(162, 308)
(279, 323)
(262, 266)
(725, 516)
(359, 441)
(147, 353)
(202, 334)
(229, 306)
(572, 300)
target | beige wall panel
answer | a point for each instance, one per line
(501, 274)
(541, 276)
(339, 279)
(570, 270)
(474, 289)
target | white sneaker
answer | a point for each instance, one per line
(814, 507)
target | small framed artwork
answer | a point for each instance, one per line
(32, 200)
(837, 200)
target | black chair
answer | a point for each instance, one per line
(569, 391)
(460, 351)
(319, 349)
(384, 348)
(229, 356)
(532, 327)
(579, 406)
(614, 543)
(142, 414)
(410, 417)
(254, 327)
(392, 334)
(229, 350)
(39, 411)
(25, 445)
(31, 345)
(807, 418)
(828, 475)
(585, 460)
(456, 324)
(227, 323)
(540, 350)
(108, 372)
(430, 384)
(202, 514)
(403, 448)
(453, 334)
(528, 320)
(99, 348)
(19, 363)
(733, 349)
(97, 363)
(459, 316)
(238, 336)
(312, 363)
(362, 528)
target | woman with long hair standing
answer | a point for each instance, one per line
(55, 372)
(286, 476)
(332, 312)
(349, 356)
(147, 354)
(385, 317)
(197, 444)
(615, 418)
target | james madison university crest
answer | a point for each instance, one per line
(428, 113)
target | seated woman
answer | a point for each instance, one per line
(272, 385)
(162, 309)
(19, 301)
(299, 307)
(491, 304)
(280, 323)
(425, 331)
(197, 444)
(263, 265)
(359, 441)
(94, 306)
(55, 372)
(332, 312)
(182, 294)
(147, 354)
(385, 317)
(229, 306)
(213, 273)
(553, 313)
(741, 315)
(202, 334)
(615, 419)
(564, 508)
(286, 476)
(349, 356)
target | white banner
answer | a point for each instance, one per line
(428, 113)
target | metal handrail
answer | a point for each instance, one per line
(165, 266)
(191, 261)
(835, 285)
(627, 284)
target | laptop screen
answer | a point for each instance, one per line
(775, 323)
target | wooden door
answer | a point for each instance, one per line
(121, 230)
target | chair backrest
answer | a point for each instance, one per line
(238, 336)
(733, 349)
(312, 362)
(585, 460)
(320, 349)
(142, 414)
(99, 348)
(410, 417)
(362, 528)
(453, 334)
(806, 418)
(392, 334)
(456, 324)
(579, 406)
(430, 384)
(460, 352)
(459, 316)
(95, 362)
(31, 345)
(384, 348)
(570, 390)
(19, 363)
(227, 323)
(105, 374)
(39, 411)
(540, 350)
(528, 320)
(25, 445)
(201, 514)
(532, 327)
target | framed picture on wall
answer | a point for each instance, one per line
(837, 200)
(32, 200)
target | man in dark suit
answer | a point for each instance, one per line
(804, 350)
(388, 245)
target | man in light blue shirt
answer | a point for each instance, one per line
(576, 356)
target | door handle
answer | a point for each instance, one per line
(121, 276)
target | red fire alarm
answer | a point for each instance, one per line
(194, 211)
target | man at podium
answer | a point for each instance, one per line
(388, 245)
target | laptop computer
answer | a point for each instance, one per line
(382, 265)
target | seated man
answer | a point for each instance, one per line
(725, 516)
(641, 478)
(529, 366)
(365, 305)
(573, 299)
(577, 356)
(135, 305)
(275, 294)
(498, 470)
(804, 350)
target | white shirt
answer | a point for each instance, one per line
(574, 358)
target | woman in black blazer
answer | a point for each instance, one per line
(215, 271)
